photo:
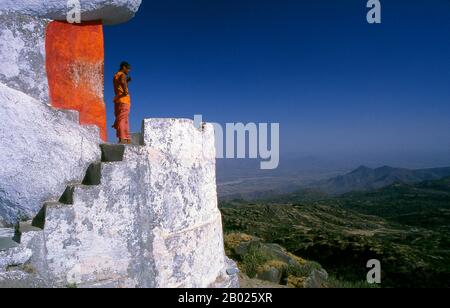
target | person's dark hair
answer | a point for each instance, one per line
(125, 64)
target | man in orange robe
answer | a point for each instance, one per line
(122, 102)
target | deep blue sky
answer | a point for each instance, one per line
(337, 85)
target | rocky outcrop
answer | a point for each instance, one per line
(110, 12)
(147, 216)
(22, 54)
(42, 149)
(270, 265)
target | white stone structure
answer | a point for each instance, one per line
(49, 145)
(146, 216)
(104, 215)
(111, 12)
(22, 54)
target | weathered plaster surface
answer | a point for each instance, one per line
(109, 11)
(152, 222)
(22, 54)
(42, 149)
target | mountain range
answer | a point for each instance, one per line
(365, 179)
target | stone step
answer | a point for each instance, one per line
(137, 139)
(92, 178)
(27, 226)
(24, 227)
(6, 239)
(67, 196)
(6, 233)
(112, 152)
(39, 220)
(7, 243)
(93, 175)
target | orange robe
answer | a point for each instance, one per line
(122, 112)
(122, 102)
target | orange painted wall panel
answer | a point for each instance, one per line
(75, 68)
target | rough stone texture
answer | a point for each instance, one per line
(270, 274)
(6, 233)
(317, 279)
(19, 255)
(16, 269)
(247, 283)
(109, 11)
(75, 69)
(229, 278)
(42, 150)
(22, 54)
(6, 239)
(152, 222)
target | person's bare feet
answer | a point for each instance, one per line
(124, 141)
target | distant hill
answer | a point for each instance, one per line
(406, 226)
(365, 179)
(425, 204)
(343, 240)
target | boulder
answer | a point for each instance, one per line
(270, 274)
(281, 254)
(110, 12)
(42, 150)
(317, 279)
(239, 245)
(22, 54)
(296, 282)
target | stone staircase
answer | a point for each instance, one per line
(10, 238)
(37, 224)
(146, 215)
(43, 149)
(111, 153)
